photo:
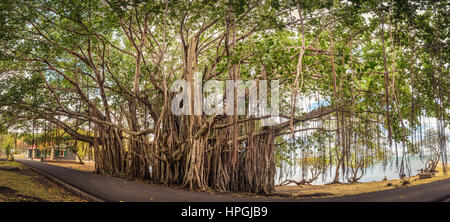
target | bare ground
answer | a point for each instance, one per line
(86, 167)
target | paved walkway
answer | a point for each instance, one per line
(115, 189)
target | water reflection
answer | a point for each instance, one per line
(376, 172)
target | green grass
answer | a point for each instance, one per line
(26, 185)
(10, 163)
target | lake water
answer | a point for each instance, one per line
(375, 172)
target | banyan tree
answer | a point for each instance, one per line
(105, 72)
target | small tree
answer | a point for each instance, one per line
(432, 151)
(8, 148)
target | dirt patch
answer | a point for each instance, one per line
(86, 167)
(9, 168)
(7, 191)
(314, 195)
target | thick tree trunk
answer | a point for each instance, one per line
(109, 156)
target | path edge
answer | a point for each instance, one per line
(65, 185)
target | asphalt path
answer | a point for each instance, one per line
(115, 190)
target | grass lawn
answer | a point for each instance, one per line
(24, 185)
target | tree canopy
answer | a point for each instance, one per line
(357, 79)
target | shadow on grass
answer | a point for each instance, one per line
(13, 196)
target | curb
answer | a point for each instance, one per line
(65, 185)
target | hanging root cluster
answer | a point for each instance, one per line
(199, 156)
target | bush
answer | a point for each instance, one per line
(8, 148)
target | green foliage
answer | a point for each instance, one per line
(73, 63)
